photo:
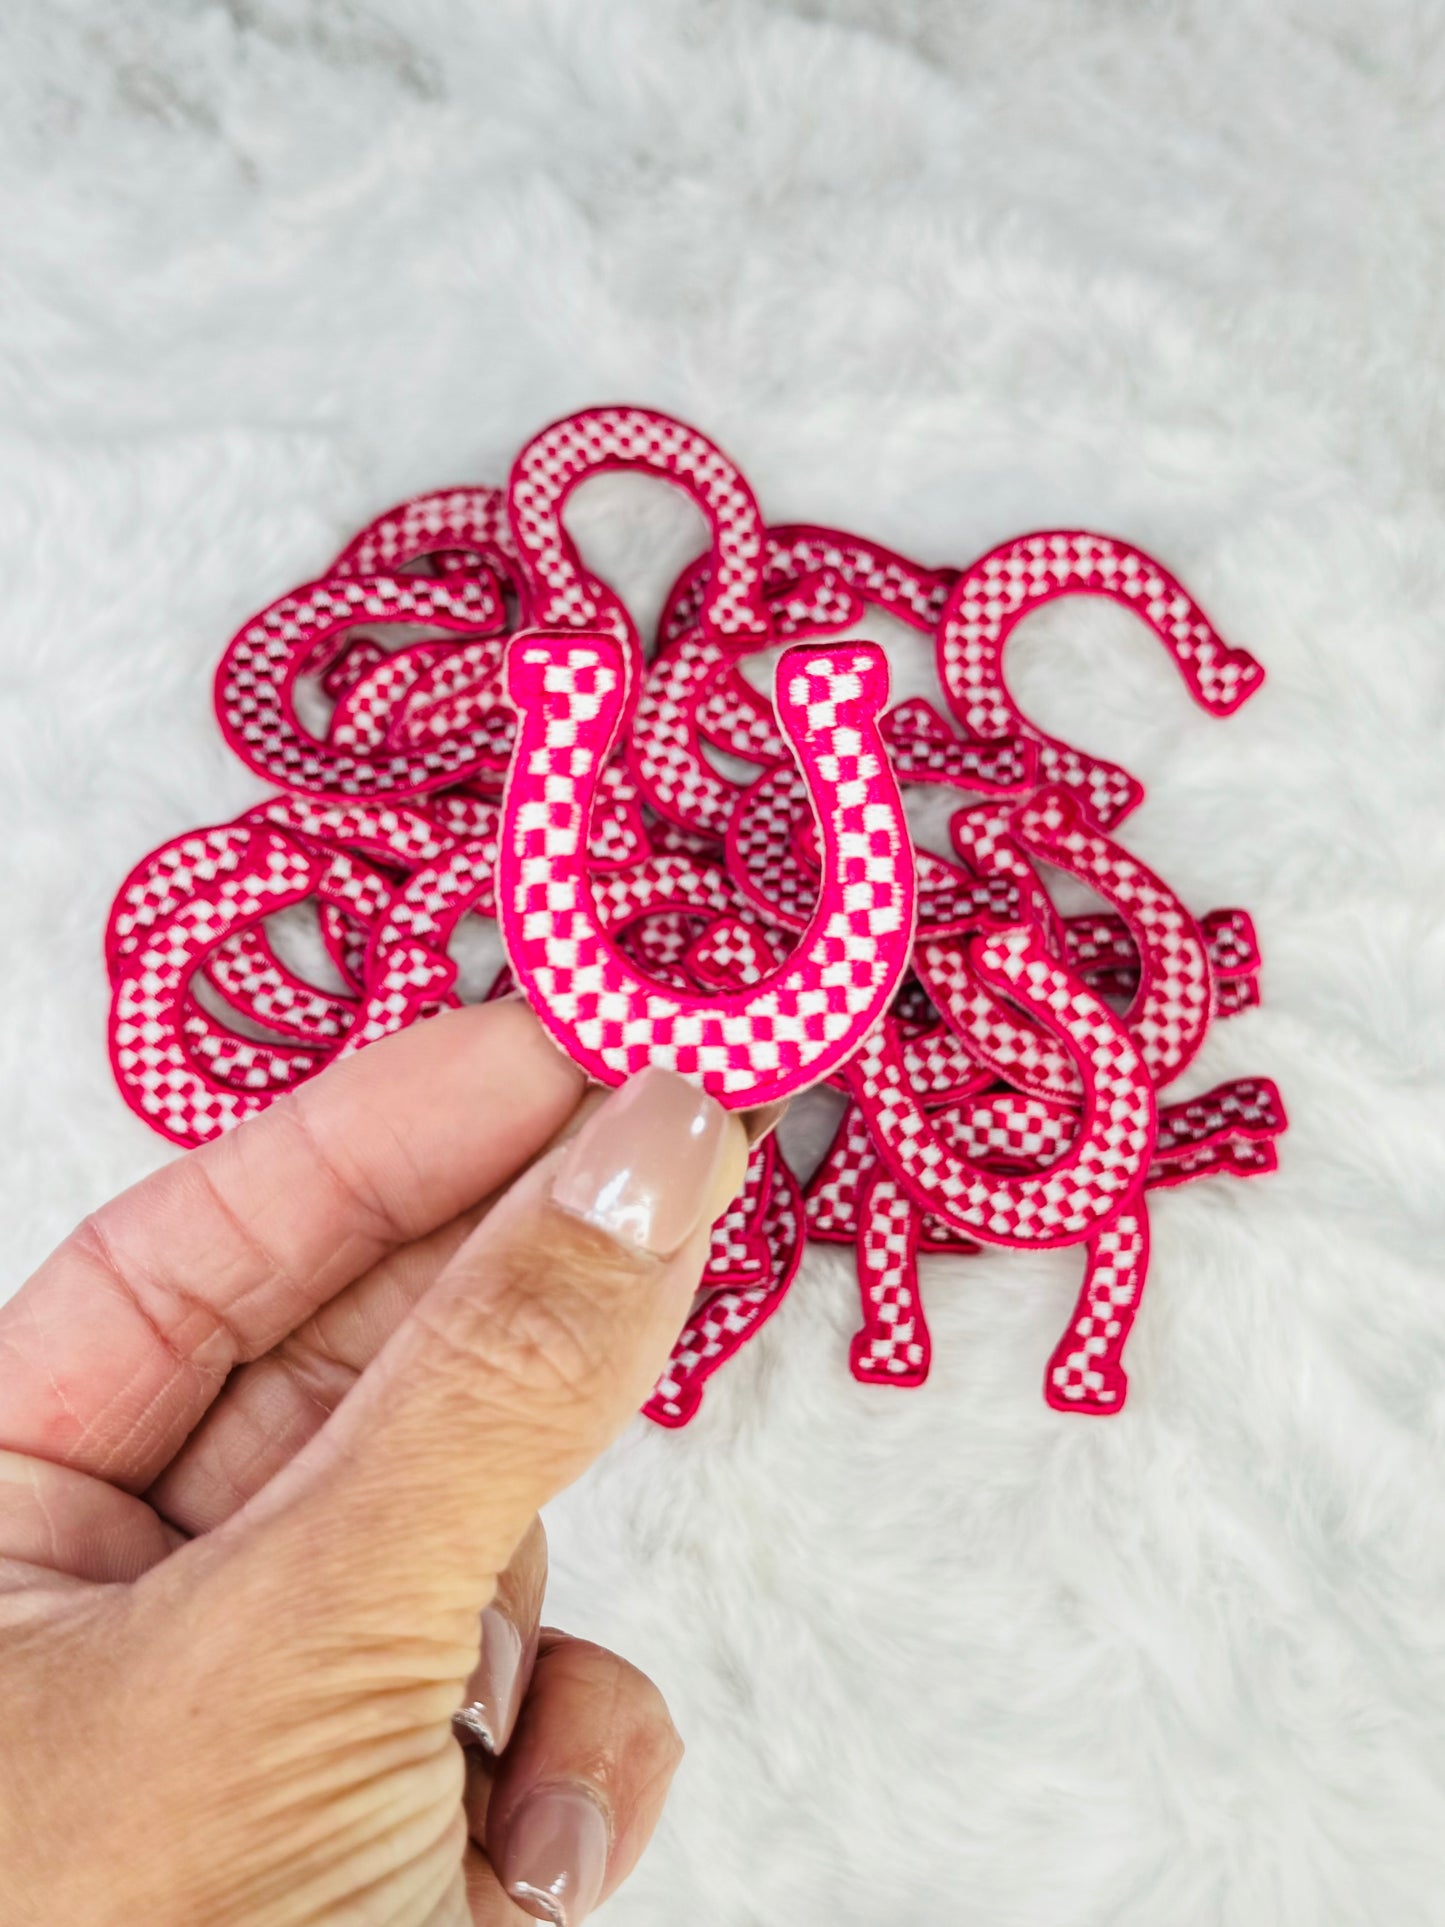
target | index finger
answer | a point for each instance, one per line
(111, 1353)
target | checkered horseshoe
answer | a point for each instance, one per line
(991, 597)
(731, 611)
(1115, 1137)
(1086, 1372)
(243, 967)
(302, 634)
(562, 594)
(1174, 997)
(806, 1017)
(1100, 947)
(157, 1076)
(1228, 1132)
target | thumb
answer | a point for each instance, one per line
(536, 1345)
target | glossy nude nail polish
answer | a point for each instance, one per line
(555, 1858)
(645, 1165)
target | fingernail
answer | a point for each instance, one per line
(765, 1119)
(494, 1690)
(643, 1167)
(554, 1857)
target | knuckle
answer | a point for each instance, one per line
(539, 1326)
(629, 1702)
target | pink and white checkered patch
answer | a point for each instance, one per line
(724, 1320)
(993, 595)
(804, 1019)
(298, 635)
(561, 594)
(1174, 997)
(1109, 1155)
(156, 1074)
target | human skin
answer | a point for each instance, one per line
(275, 1426)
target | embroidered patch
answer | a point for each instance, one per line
(806, 1017)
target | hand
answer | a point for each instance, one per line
(274, 1429)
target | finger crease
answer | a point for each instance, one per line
(385, 1226)
(96, 1247)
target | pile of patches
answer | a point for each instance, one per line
(499, 745)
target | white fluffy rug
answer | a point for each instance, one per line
(942, 273)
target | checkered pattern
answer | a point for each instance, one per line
(731, 955)
(660, 941)
(458, 693)
(938, 1064)
(298, 635)
(996, 592)
(924, 749)
(1170, 1012)
(804, 1020)
(463, 816)
(619, 835)
(660, 882)
(346, 940)
(727, 1319)
(1233, 944)
(1086, 1372)
(560, 594)
(358, 656)
(1229, 1131)
(816, 581)
(187, 866)
(257, 985)
(771, 847)
(470, 523)
(832, 1194)
(1230, 1120)
(762, 849)
(362, 720)
(894, 1342)
(397, 834)
(156, 1076)
(1022, 1053)
(664, 750)
(407, 982)
(260, 988)
(244, 1063)
(619, 832)
(872, 574)
(243, 968)
(983, 837)
(740, 1254)
(733, 716)
(1107, 1158)
(1100, 947)
(430, 905)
